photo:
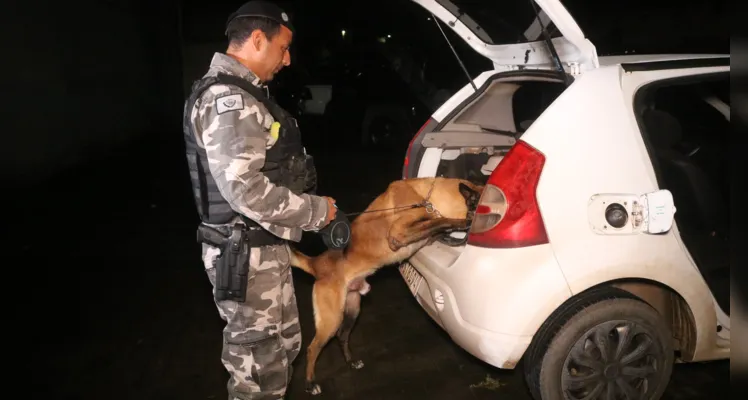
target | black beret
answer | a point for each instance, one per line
(260, 8)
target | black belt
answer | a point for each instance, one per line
(254, 234)
(259, 236)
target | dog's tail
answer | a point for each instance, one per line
(301, 261)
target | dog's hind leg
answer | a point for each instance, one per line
(327, 300)
(404, 235)
(352, 308)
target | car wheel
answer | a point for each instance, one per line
(605, 344)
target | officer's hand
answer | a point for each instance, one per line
(332, 211)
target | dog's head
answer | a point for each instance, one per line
(471, 192)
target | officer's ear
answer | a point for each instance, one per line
(258, 40)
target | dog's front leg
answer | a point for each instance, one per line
(423, 229)
(397, 231)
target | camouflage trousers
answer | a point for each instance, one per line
(262, 336)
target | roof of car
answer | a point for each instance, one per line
(643, 58)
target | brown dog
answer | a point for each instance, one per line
(408, 215)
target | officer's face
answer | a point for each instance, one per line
(274, 54)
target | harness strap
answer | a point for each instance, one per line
(430, 206)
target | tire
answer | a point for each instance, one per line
(567, 337)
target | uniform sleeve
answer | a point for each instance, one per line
(235, 134)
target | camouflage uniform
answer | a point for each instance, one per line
(262, 336)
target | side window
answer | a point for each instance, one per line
(690, 104)
(683, 120)
(687, 115)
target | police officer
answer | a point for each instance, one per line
(251, 175)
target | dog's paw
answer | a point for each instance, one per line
(358, 364)
(313, 388)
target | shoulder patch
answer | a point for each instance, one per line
(228, 103)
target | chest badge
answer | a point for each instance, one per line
(275, 130)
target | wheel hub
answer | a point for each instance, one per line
(611, 371)
(616, 359)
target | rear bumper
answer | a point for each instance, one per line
(490, 310)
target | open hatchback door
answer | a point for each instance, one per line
(510, 34)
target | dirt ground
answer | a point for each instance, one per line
(128, 312)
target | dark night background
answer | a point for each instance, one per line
(93, 164)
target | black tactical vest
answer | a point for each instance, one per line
(286, 163)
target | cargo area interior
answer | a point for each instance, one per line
(686, 125)
(476, 138)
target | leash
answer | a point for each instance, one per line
(425, 203)
(386, 209)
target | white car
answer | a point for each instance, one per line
(598, 253)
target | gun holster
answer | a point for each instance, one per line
(232, 265)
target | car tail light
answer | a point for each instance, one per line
(410, 147)
(508, 215)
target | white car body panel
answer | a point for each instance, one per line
(491, 308)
